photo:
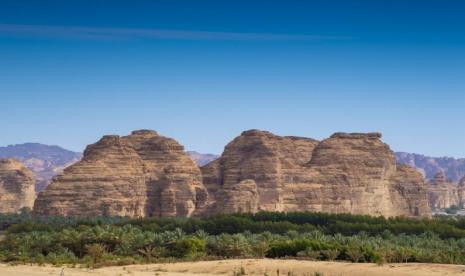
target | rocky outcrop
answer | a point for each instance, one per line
(258, 156)
(461, 193)
(173, 179)
(346, 173)
(143, 174)
(240, 198)
(16, 186)
(442, 192)
(408, 191)
(146, 174)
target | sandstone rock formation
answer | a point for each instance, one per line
(352, 173)
(442, 192)
(16, 186)
(461, 193)
(143, 174)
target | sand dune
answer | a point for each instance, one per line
(252, 267)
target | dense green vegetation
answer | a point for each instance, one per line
(108, 241)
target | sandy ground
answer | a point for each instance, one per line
(252, 267)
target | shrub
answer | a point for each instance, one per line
(226, 245)
(354, 253)
(189, 247)
(60, 258)
(260, 248)
(309, 253)
(96, 252)
(330, 254)
(150, 253)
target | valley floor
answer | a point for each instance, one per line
(252, 267)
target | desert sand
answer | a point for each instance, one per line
(252, 267)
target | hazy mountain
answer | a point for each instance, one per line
(453, 168)
(44, 160)
(202, 158)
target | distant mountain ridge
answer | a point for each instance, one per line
(202, 158)
(44, 160)
(453, 168)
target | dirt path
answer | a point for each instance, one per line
(252, 267)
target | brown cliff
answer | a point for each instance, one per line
(143, 174)
(17, 186)
(442, 192)
(461, 192)
(347, 173)
(261, 158)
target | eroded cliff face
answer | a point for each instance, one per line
(461, 192)
(173, 179)
(17, 186)
(442, 192)
(346, 173)
(262, 159)
(409, 193)
(143, 174)
(146, 174)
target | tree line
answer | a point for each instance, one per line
(318, 236)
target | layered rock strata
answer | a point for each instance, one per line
(146, 174)
(17, 186)
(143, 174)
(461, 193)
(442, 192)
(346, 173)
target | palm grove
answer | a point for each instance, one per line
(317, 236)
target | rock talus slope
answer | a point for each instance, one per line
(143, 174)
(346, 173)
(17, 186)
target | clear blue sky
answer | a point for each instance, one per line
(203, 71)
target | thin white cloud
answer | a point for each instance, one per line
(142, 33)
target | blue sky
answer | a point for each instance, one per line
(203, 71)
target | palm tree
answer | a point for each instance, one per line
(150, 252)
